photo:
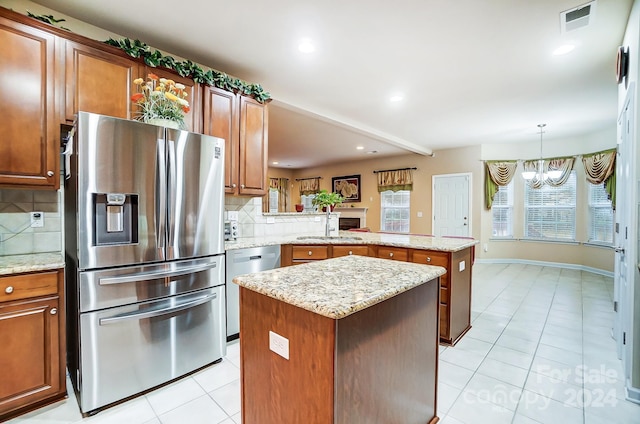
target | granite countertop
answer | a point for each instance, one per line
(336, 288)
(15, 264)
(444, 244)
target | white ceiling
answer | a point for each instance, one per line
(472, 72)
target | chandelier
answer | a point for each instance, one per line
(539, 173)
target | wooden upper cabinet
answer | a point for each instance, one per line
(29, 148)
(98, 81)
(254, 123)
(192, 119)
(221, 120)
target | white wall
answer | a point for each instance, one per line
(628, 186)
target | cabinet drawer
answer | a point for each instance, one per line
(430, 257)
(349, 250)
(395, 253)
(444, 295)
(308, 253)
(28, 285)
(444, 321)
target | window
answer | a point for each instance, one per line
(600, 215)
(306, 200)
(502, 212)
(550, 212)
(394, 211)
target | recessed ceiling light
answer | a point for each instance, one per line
(396, 98)
(360, 148)
(564, 49)
(306, 46)
(275, 162)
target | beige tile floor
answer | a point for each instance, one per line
(540, 351)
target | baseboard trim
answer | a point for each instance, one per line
(543, 263)
(633, 393)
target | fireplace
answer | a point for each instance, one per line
(352, 218)
(348, 223)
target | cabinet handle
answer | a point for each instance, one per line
(233, 185)
(53, 311)
(241, 185)
(428, 259)
(350, 252)
(310, 253)
(50, 173)
(8, 290)
(391, 255)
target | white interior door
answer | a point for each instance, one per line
(451, 205)
(624, 191)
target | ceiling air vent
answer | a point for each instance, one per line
(578, 17)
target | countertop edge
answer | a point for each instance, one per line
(293, 285)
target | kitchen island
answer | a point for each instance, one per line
(347, 340)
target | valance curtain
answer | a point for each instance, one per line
(309, 186)
(395, 180)
(600, 168)
(497, 174)
(565, 165)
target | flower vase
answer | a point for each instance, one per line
(163, 122)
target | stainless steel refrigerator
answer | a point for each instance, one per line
(144, 254)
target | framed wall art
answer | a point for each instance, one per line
(348, 187)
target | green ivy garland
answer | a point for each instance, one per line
(188, 69)
(48, 19)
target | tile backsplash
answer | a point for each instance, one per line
(253, 223)
(16, 234)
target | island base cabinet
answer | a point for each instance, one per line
(378, 365)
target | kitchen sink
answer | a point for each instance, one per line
(330, 238)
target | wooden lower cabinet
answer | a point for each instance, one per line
(455, 285)
(455, 290)
(32, 356)
(378, 365)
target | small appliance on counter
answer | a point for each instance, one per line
(230, 230)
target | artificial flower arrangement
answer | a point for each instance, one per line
(160, 98)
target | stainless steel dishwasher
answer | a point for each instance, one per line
(245, 261)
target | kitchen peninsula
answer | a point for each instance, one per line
(346, 340)
(455, 254)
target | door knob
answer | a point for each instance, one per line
(53, 311)
(8, 290)
(50, 173)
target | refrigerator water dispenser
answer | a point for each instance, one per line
(116, 218)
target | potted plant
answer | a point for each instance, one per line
(325, 199)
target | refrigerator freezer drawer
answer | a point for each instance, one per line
(122, 286)
(130, 349)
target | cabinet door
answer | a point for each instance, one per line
(29, 148)
(193, 118)
(253, 147)
(221, 120)
(98, 81)
(30, 354)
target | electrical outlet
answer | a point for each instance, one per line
(37, 219)
(461, 266)
(279, 344)
(233, 215)
(419, 214)
(486, 247)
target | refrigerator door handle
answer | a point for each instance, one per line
(172, 197)
(156, 312)
(141, 276)
(161, 198)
